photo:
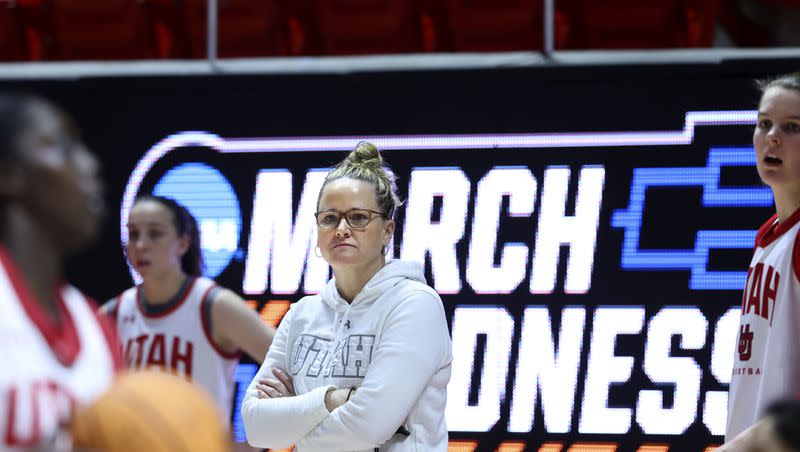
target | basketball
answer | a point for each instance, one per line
(149, 411)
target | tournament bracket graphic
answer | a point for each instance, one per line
(573, 326)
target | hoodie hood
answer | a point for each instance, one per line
(394, 272)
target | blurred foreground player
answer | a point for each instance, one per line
(767, 360)
(55, 353)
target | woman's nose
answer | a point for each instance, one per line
(773, 137)
(343, 229)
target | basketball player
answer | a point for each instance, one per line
(55, 353)
(767, 363)
(177, 320)
(376, 326)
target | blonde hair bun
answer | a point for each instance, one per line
(365, 154)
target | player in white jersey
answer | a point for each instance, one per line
(767, 361)
(177, 320)
(363, 365)
(55, 353)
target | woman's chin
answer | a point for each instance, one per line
(343, 261)
(774, 177)
(347, 258)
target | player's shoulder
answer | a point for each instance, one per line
(764, 230)
(111, 306)
(128, 294)
(796, 257)
(203, 282)
(217, 295)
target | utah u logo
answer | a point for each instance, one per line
(745, 342)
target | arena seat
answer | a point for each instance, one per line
(247, 28)
(783, 3)
(626, 24)
(494, 25)
(346, 27)
(768, 23)
(12, 38)
(102, 30)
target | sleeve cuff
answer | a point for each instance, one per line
(317, 401)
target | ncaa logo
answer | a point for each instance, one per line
(210, 198)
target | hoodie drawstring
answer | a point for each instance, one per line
(337, 336)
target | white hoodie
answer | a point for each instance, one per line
(392, 344)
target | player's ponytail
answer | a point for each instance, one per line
(192, 261)
(186, 225)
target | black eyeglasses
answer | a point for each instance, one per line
(356, 218)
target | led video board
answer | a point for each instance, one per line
(591, 279)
